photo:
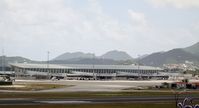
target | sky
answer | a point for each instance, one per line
(31, 28)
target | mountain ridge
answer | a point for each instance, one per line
(73, 55)
(177, 55)
(6, 60)
(174, 56)
(194, 49)
(116, 55)
(113, 55)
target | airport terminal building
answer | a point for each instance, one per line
(86, 72)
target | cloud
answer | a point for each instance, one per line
(104, 25)
(138, 21)
(31, 27)
(195, 26)
(176, 3)
(37, 25)
(52, 25)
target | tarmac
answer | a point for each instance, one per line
(127, 99)
(95, 86)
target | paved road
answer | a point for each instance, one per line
(144, 99)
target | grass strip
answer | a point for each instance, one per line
(83, 94)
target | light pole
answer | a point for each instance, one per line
(3, 61)
(48, 56)
(93, 68)
(139, 74)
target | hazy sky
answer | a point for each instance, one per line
(30, 28)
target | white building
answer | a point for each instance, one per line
(71, 71)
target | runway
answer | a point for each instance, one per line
(143, 99)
